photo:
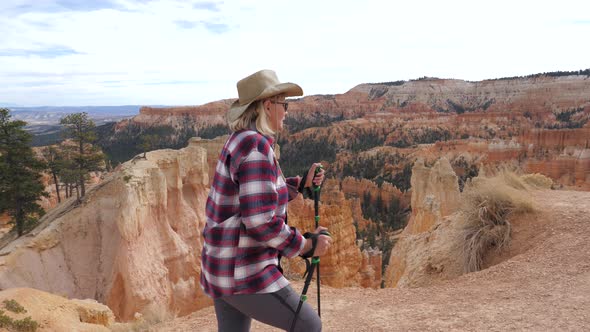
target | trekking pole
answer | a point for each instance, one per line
(316, 205)
(309, 272)
(315, 261)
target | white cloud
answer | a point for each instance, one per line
(65, 52)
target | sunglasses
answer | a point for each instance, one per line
(285, 104)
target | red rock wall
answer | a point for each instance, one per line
(557, 139)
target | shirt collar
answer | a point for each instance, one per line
(252, 126)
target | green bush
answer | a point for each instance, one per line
(213, 131)
(318, 119)
(120, 146)
(12, 305)
(402, 180)
(469, 170)
(20, 325)
(5, 321)
(390, 216)
(298, 155)
(426, 135)
(25, 325)
(367, 140)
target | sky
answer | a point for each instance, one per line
(167, 52)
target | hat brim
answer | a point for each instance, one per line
(287, 89)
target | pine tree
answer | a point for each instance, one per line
(20, 173)
(55, 164)
(149, 143)
(87, 158)
(69, 172)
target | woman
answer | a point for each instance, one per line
(246, 228)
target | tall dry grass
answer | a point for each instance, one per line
(488, 204)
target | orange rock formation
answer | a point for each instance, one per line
(344, 265)
(435, 195)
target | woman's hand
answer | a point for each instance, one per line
(324, 241)
(323, 244)
(313, 178)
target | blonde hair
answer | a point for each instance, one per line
(254, 113)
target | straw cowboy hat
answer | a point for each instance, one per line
(260, 85)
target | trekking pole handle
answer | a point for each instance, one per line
(317, 170)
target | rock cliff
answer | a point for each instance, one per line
(213, 148)
(210, 113)
(535, 94)
(133, 241)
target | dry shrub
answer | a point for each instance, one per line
(537, 181)
(152, 315)
(511, 179)
(488, 203)
(155, 314)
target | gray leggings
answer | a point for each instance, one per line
(235, 312)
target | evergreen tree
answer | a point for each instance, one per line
(87, 158)
(69, 174)
(55, 164)
(149, 143)
(20, 173)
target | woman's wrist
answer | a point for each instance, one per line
(307, 247)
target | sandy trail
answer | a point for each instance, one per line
(545, 286)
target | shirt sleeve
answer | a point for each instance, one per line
(293, 187)
(259, 198)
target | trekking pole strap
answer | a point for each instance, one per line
(308, 192)
(314, 244)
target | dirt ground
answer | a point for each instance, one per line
(542, 285)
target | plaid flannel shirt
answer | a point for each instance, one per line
(246, 220)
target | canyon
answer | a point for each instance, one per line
(539, 122)
(397, 150)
